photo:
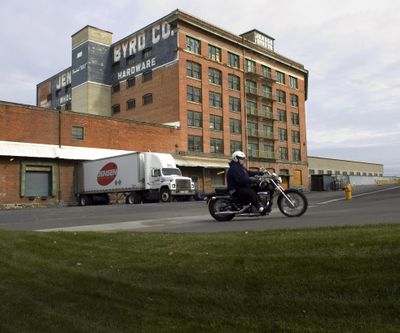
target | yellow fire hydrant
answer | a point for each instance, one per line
(348, 190)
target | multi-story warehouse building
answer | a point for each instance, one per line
(223, 91)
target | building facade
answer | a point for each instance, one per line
(224, 92)
(332, 166)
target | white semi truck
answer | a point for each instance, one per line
(141, 177)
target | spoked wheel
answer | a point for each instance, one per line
(219, 208)
(297, 205)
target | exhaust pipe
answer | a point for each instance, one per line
(230, 212)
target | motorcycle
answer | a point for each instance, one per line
(224, 206)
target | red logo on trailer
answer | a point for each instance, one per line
(107, 174)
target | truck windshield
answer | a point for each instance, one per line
(171, 171)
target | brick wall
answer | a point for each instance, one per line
(29, 124)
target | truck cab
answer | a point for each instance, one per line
(165, 176)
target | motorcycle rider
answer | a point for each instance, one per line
(238, 178)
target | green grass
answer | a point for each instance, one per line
(323, 280)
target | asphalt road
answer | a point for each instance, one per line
(370, 205)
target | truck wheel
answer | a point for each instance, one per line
(133, 198)
(165, 195)
(85, 200)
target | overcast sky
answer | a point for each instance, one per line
(350, 47)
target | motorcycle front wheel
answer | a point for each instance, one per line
(299, 206)
(218, 209)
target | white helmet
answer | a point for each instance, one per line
(238, 155)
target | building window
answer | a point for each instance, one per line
(215, 123)
(269, 151)
(251, 107)
(49, 96)
(267, 91)
(193, 45)
(116, 108)
(147, 99)
(193, 69)
(283, 152)
(235, 146)
(266, 71)
(193, 94)
(68, 89)
(215, 76)
(115, 88)
(147, 76)
(295, 136)
(282, 115)
(115, 67)
(281, 96)
(130, 61)
(131, 104)
(233, 82)
(293, 82)
(280, 77)
(233, 60)
(250, 66)
(215, 100)
(194, 119)
(130, 82)
(268, 131)
(295, 118)
(68, 106)
(195, 143)
(234, 126)
(296, 154)
(216, 146)
(234, 104)
(267, 111)
(252, 129)
(282, 134)
(214, 53)
(147, 53)
(77, 133)
(251, 87)
(294, 100)
(253, 149)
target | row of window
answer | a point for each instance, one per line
(344, 173)
(194, 94)
(194, 119)
(131, 103)
(146, 76)
(293, 116)
(215, 53)
(195, 143)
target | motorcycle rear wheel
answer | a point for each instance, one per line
(218, 206)
(300, 203)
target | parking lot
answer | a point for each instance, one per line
(370, 205)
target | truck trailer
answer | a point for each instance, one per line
(141, 177)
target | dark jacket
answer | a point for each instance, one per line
(238, 176)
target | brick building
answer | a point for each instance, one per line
(220, 92)
(50, 143)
